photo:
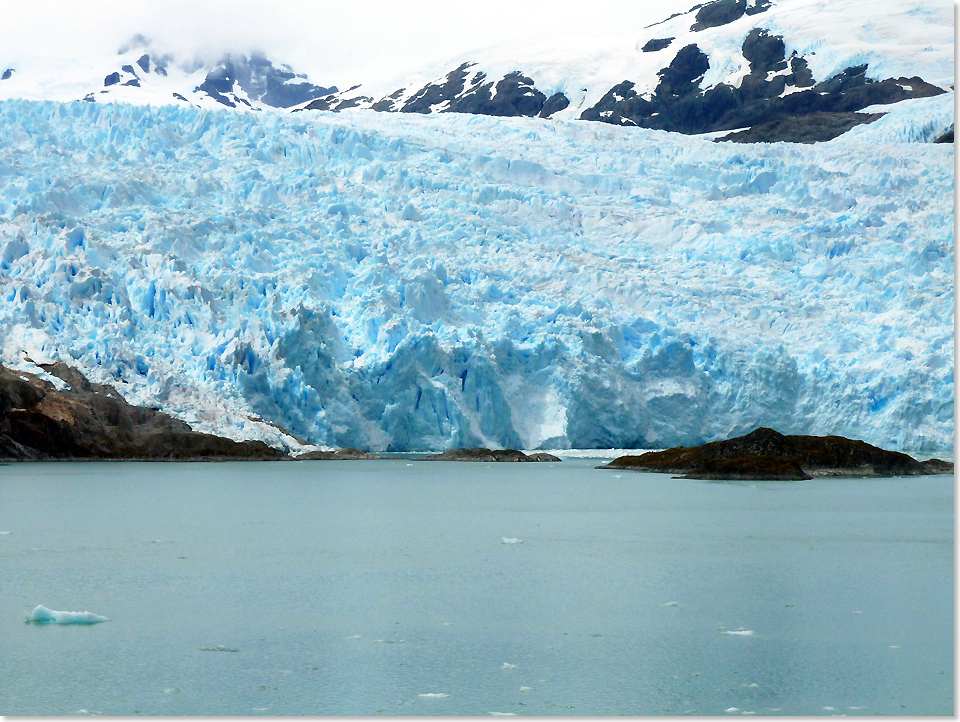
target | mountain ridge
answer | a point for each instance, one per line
(142, 74)
(722, 65)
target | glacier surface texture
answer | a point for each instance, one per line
(428, 282)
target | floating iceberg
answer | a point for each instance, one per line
(42, 615)
(511, 540)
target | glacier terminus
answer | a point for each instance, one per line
(400, 282)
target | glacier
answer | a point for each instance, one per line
(406, 282)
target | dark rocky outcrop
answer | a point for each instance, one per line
(259, 79)
(719, 12)
(937, 466)
(513, 96)
(765, 454)
(812, 128)
(809, 112)
(338, 455)
(476, 454)
(655, 44)
(88, 421)
(553, 104)
(437, 93)
(481, 454)
(7, 74)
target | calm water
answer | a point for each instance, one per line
(357, 587)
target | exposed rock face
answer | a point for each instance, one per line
(937, 466)
(235, 80)
(812, 128)
(765, 454)
(481, 454)
(779, 99)
(809, 112)
(90, 421)
(655, 44)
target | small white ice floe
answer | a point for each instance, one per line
(433, 694)
(829, 709)
(858, 612)
(389, 641)
(446, 624)
(507, 665)
(218, 648)
(526, 689)
(6, 532)
(42, 615)
(894, 646)
(736, 632)
(671, 604)
(752, 685)
(732, 710)
(511, 540)
(354, 636)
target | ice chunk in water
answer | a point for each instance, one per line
(511, 540)
(42, 615)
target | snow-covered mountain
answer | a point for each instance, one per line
(396, 281)
(793, 70)
(141, 74)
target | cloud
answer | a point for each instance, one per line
(334, 42)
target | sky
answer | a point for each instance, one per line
(341, 43)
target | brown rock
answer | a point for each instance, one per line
(338, 455)
(768, 454)
(93, 421)
(482, 454)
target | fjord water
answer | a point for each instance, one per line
(379, 587)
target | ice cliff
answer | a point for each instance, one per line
(426, 282)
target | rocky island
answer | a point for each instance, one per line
(474, 454)
(765, 454)
(482, 454)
